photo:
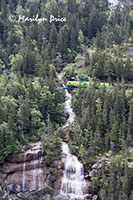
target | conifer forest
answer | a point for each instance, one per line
(61, 141)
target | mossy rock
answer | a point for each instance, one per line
(48, 190)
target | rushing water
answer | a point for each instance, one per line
(35, 162)
(23, 174)
(68, 109)
(60, 75)
(73, 184)
(40, 172)
(37, 172)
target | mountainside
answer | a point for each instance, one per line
(85, 40)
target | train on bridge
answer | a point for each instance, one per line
(88, 84)
(95, 84)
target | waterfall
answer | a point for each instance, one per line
(23, 173)
(37, 173)
(60, 75)
(40, 172)
(68, 109)
(35, 163)
(73, 183)
(35, 183)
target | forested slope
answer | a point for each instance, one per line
(93, 43)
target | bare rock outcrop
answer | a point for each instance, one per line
(26, 174)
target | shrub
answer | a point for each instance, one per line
(95, 183)
(48, 190)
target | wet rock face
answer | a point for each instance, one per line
(13, 188)
(19, 157)
(25, 174)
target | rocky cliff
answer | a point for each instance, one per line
(25, 175)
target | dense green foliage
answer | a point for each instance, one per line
(29, 45)
(105, 124)
(101, 65)
(48, 190)
(116, 182)
(24, 108)
(107, 66)
(52, 147)
(94, 43)
(104, 119)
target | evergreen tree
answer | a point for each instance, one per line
(130, 124)
(24, 120)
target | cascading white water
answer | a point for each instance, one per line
(73, 184)
(37, 172)
(23, 174)
(35, 163)
(40, 172)
(68, 109)
(60, 75)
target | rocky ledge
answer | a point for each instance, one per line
(25, 175)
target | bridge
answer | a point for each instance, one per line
(62, 85)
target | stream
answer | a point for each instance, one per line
(73, 186)
(68, 109)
